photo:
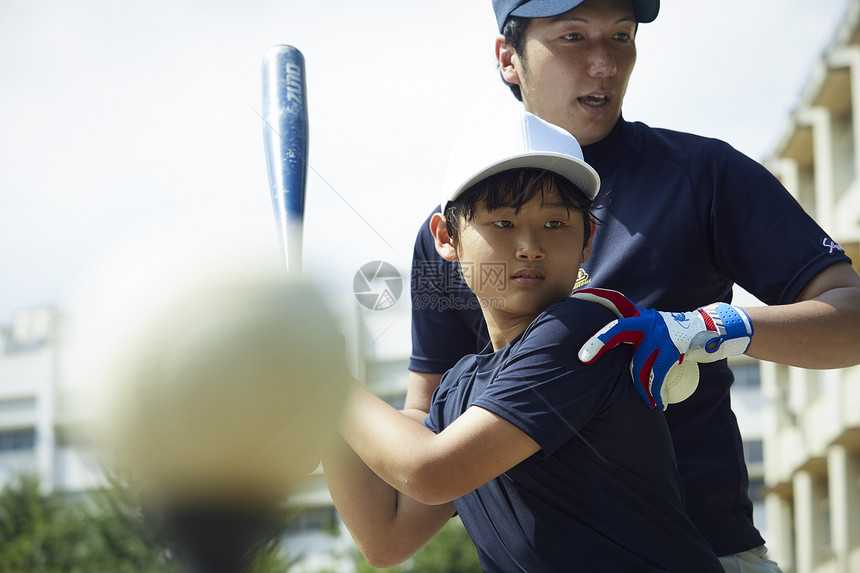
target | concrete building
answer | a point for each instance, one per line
(38, 419)
(812, 427)
(748, 405)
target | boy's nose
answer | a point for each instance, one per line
(529, 249)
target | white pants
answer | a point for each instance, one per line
(752, 561)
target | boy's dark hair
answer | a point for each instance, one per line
(514, 188)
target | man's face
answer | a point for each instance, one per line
(575, 67)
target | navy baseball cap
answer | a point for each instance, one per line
(644, 10)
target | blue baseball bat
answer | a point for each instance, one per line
(285, 137)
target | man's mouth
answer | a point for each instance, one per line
(595, 100)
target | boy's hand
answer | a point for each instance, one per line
(668, 344)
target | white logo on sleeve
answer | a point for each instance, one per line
(832, 245)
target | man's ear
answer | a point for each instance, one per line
(444, 246)
(505, 56)
(586, 249)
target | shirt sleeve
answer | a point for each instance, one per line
(544, 390)
(761, 236)
(447, 322)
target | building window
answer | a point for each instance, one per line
(314, 519)
(753, 452)
(747, 376)
(757, 490)
(18, 406)
(17, 440)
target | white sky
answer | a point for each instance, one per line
(114, 115)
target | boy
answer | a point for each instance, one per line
(551, 464)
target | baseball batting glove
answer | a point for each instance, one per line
(669, 345)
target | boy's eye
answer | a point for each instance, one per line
(572, 36)
(554, 224)
(504, 224)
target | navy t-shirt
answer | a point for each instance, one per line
(603, 492)
(683, 219)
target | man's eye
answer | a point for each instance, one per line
(503, 224)
(572, 37)
(554, 224)
(624, 37)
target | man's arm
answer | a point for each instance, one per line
(446, 321)
(820, 330)
(419, 394)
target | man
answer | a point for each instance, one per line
(685, 219)
(553, 465)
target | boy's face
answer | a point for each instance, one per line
(518, 263)
(575, 67)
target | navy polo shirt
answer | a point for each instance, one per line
(603, 493)
(683, 218)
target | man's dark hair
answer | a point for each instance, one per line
(514, 32)
(513, 189)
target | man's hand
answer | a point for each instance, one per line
(668, 344)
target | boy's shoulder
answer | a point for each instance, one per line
(570, 319)
(555, 335)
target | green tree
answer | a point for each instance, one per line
(449, 551)
(104, 531)
(26, 519)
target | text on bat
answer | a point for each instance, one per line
(294, 83)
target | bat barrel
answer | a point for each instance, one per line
(285, 137)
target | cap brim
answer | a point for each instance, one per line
(571, 168)
(644, 10)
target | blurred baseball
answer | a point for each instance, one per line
(215, 373)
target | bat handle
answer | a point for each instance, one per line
(293, 246)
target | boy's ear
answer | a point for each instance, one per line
(505, 55)
(444, 246)
(586, 248)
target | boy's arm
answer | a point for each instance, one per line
(432, 468)
(387, 526)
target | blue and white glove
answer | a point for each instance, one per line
(669, 345)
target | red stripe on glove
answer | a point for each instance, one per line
(645, 377)
(709, 322)
(624, 305)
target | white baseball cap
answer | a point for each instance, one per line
(523, 140)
